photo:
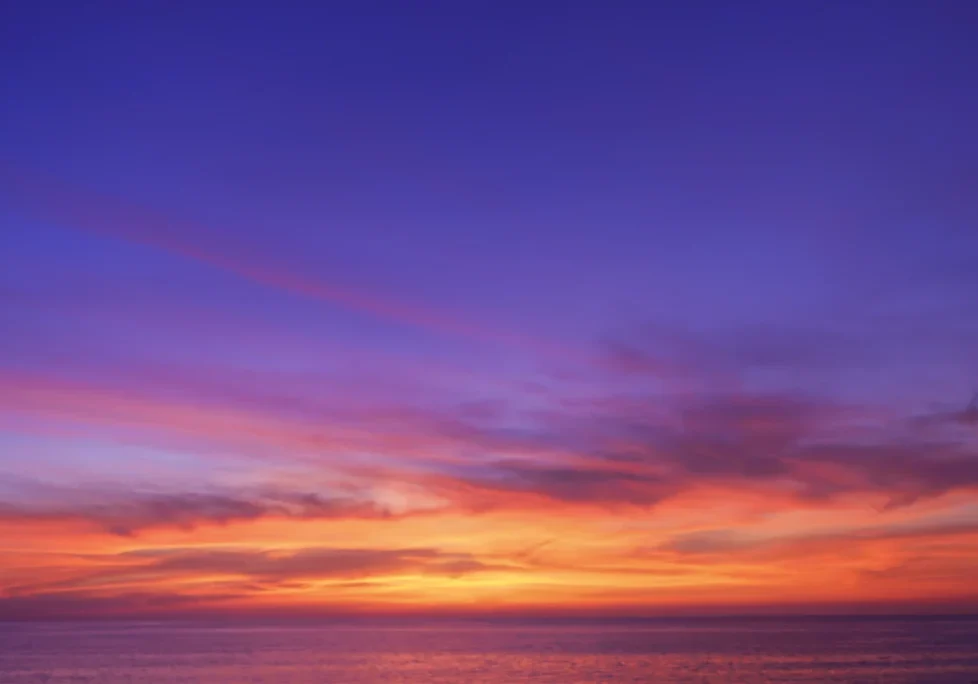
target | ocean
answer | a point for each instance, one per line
(748, 651)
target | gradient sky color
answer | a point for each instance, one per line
(488, 307)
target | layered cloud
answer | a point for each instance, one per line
(671, 467)
(637, 449)
(202, 578)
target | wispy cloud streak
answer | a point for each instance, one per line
(101, 214)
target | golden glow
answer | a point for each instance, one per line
(585, 559)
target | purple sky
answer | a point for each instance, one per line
(572, 174)
(483, 212)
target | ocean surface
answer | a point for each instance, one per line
(748, 651)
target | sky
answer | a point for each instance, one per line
(530, 308)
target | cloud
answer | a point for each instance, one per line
(721, 358)
(732, 542)
(638, 450)
(571, 484)
(305, 563)
(126, 513)
(246, 416)
(101, 214)
(617, 444)
(87, 604)
(966, 417)
(221, 574)
(814, 450)
(237, 425)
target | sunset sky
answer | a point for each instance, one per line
(590, 308)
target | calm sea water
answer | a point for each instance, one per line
(748, 651)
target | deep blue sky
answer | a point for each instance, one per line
(782, 191)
